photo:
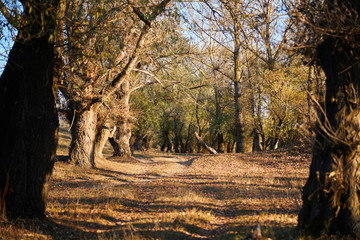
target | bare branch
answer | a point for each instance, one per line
(12, 20)
(119, 79)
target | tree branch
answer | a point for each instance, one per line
(12, 20)
(120, 78)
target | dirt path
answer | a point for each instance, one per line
(154, 166)
(174, 196)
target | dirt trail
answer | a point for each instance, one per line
(154, 166)
(191, 196)
(176, 196)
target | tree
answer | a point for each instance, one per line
(331, 199)
(29, 123)
(250, 36)
(225, 17)
(99, 66)
(123, 123)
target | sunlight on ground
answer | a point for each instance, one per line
(174, 196)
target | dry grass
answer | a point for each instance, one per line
(169, 196)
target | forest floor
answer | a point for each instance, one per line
(159, 195)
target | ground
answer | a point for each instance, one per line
(172, 196)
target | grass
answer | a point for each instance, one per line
(171, 196)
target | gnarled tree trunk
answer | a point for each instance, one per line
(124, 139)
(331, 196)
(124, 124)
(83, 131)
(29, 120)
(103, 133)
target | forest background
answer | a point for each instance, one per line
(224, 70)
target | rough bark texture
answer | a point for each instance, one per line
(124, 139)
(29, 122)
(331, 194)
(124, 124)
(83, 131)
(102, 135)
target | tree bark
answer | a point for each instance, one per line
(102, 135)
(331, 194)
(124, 124)
(123, 140)
(83, 131)
(239, 115)
(220, 143)
(256, 147)
(178, 141)
(239, 121)
(204, 144)
(115, 146)
(29, 122)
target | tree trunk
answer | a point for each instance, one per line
(239, 118)
(83, 131)
(123, 140)
(256, 141)
(220, 143)
(102, 135)
(218, 121)
(178, 142)
(331, 194)
(124, 124)
(29, 122)
(204, 144)
(229, 146)
(239, 121)
(256, 114)
(115, 146)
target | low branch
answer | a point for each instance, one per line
(202, 143)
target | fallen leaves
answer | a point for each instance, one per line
(176, 197)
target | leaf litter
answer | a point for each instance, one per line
(159, 195)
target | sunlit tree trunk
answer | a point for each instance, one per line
(124, 124)
(28, 122)
(102, 135)
(83, 131)
(123, 140)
